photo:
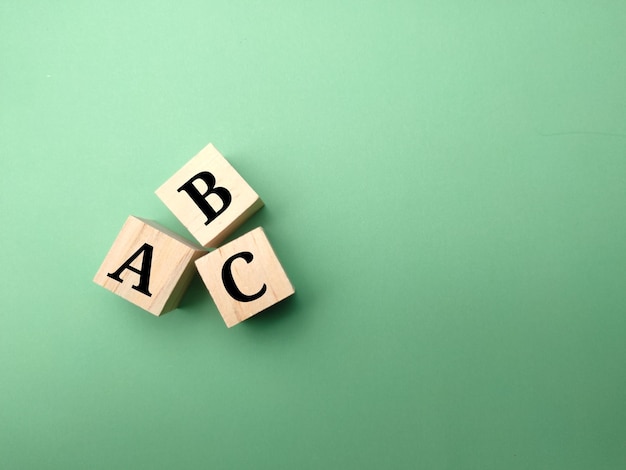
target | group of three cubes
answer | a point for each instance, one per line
(152, 266)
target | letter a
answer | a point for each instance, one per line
(144, 272)
(200, 199)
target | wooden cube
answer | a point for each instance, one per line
(209, 197)
(149, 266)
(244, 277)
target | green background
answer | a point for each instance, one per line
(445, 184)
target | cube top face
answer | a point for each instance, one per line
(209, 197)
(244, 277)
(148, 265)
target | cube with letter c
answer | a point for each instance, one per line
(209, 197)
(244, 277)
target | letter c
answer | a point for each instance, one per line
(229, 282)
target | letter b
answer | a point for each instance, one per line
(201, 198)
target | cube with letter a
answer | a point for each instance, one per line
(149, 266)
(209, 197)
(244, 277)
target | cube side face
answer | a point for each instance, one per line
(244, 201)
(183, 282)
(168, 258)
(256, 282)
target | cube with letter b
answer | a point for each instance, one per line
(209, 197)
(149, 266)
(244, 277)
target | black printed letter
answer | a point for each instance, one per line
(229, 282)
(200, 199)
(144, 272)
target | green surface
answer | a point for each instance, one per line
(445, 186)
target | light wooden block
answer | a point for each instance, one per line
(209, 197)
(244, 277)
(149, 266)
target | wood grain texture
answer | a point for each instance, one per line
(243, 204)
(249, 276)
(171, 270)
